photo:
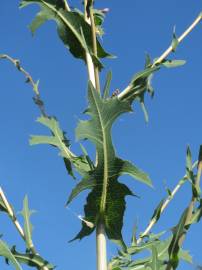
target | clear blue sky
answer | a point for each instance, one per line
(132, 29)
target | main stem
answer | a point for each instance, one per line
(101, 247)
(93, 72)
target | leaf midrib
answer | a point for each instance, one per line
(63, 146)
(105, 154)
(65, 22)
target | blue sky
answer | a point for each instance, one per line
(132, 29)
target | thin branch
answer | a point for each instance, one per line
(16, 63)
(168, 51)
(29, 80)
(37, 99)
(179, 40)
(165, 204)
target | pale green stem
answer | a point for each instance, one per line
(101, 247)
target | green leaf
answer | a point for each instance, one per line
(146, 116)
(157, 212)
(86, 183)
(148, 61)
(32, 260)
(174, 247)
(185, 256)
(196, 216)
(175, 41)
(155, 264)
(173, 63)
(139, 80)
(70, 26)
(136, 173)
(189, 170)
(140, 84)
(59, 140)
(6, 253)
(134, 236)
(190, 174)
(2, 206)
(107, 85)
(200, 154)
(141, 247)
(106, 201)
(163, 253)
(99, 17)
(26, 213)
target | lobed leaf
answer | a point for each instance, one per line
(59, 140)
(72, 28)
(106, 201)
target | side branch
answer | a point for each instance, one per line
(37, 99)
(179, 40)
(28, 77)
(164, 206)
(159, 60)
